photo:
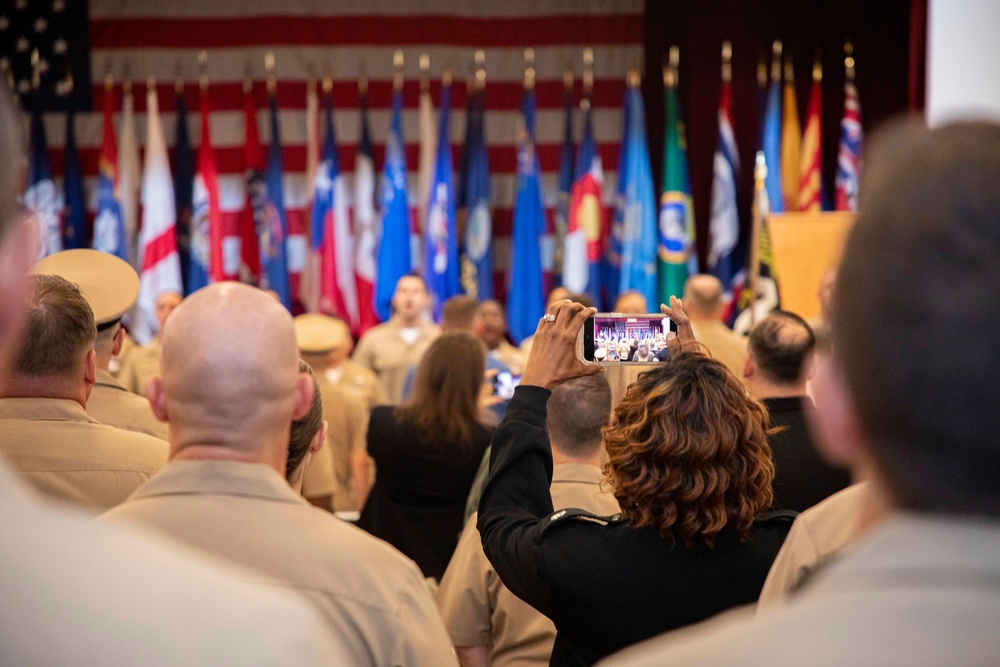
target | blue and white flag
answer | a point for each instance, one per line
(274, 264)
(639, 228)
(772, 147)
(478, 219)
(525, 301)
(724, 259)
(394, 244)
(440, 244)
(40, 197)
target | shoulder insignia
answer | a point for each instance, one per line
(566, 516)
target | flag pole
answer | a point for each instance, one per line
(776, 61)
(529, 69)
(397, 77)
(203, 71)
(272, 80)
(727, 61)
(425, 72)
(849, 60)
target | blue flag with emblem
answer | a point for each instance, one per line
(638, 227)
(394, 245)
(478, 220)
(75, 220)
(441, 244)
(40, 197)
(613, 257)
(274, 263)
(525, 302)
(772, 146)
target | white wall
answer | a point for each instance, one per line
(963, 60)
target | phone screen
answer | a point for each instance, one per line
(627, 339)
(504, 384)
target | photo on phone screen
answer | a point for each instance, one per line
(504, 384)
(626, 339)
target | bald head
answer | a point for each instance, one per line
(703, 297)
(230, 377)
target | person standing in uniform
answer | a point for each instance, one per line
(332, 358)
(111, 286)
(488, 624)
(391, 348)
(45, 431)
(230, 390)
(337, 478)
(143, 363)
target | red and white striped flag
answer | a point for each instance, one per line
(129, 176)
(161, 266)
(366, 230)
(810, 180)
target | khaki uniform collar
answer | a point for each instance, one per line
(44, 409)
(424, 327)
(225, 478)
(582, 473)
(106, 379)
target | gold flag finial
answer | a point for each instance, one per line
(446, 76)
(849, 59)
(727, 61)
(670, 69)
(203, 70)
(633, 79)
(529, 68)
(789, 70)
(397, 77)
(269, 67)
(328, 84)
(776, 61)
(588, 71)
(480, 59)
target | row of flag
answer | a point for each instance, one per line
(359, 243)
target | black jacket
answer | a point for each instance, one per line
(604, 584)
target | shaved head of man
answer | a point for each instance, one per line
(703, 297)
(230, 387)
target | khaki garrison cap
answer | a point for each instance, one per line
(315, 333)
(109, 283)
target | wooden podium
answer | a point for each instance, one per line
(804, 246)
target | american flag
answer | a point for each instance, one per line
(312, 39)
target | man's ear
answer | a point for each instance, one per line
(303, 395)
(90, 368)
(317, 442)
(749, 367)
(809, 367)
(834, 421)
(119, 340)
(157, 398)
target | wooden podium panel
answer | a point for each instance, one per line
(804, 246)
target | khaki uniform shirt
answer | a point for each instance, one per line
(510, 356)
(112, 404)
(918, 591)
(329, 471)
(76, 593)
(725, 345)
(383, 350)
(69, 455)
(477, 608)
(370, 595)
(816, 537)
(360, 381)
(141, 364)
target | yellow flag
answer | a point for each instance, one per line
(791, 139)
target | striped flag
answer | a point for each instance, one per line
(791, 142)
(331, 230)
(161, 268)
(811, 177)
(40, 197)
(441, 242)
(366, 223)
(772, 139)
(676, 219)
(183, 184)
(425, 171)
(74, 201)
(109, 226)
(849, 154)
(253, 209)
(639, 233)
(394, 256)
(761, 294)
(206, 216)
(274, 249)
(129, 176)
(567, 175)
(309, 282)
(163, 39)
(724, 257)
(478, 220)
(613, 258)
(585, 237)
(525, 301)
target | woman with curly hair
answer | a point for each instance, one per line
(690, 465)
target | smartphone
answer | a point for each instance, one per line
(614, 338)
(504, 384)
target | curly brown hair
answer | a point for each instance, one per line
(688, 452)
